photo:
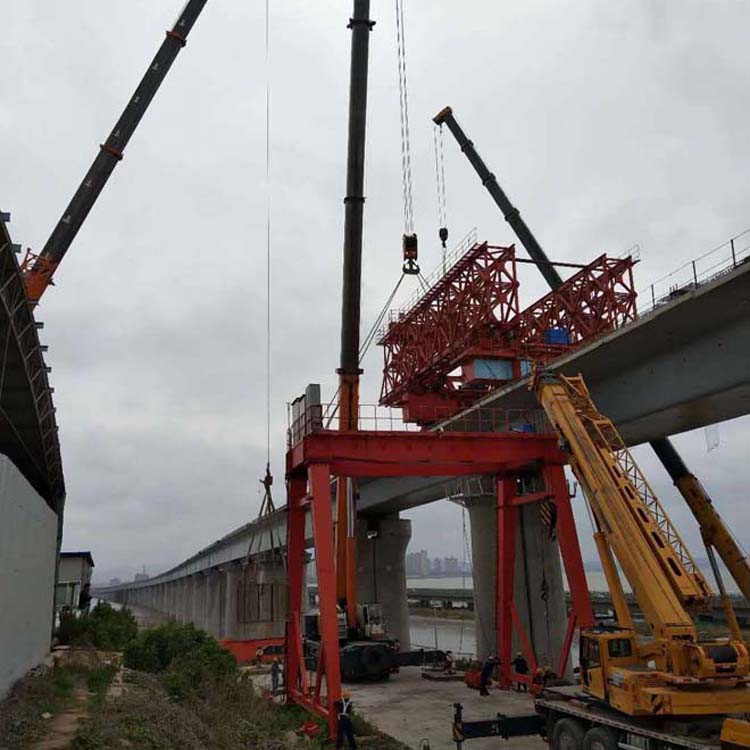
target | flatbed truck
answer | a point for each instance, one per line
(569, 719)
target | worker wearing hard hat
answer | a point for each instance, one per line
(345, 728)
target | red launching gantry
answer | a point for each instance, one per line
(467, 335)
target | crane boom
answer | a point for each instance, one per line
(713, 528)
(664, 577)
(510, 212)
(39, 269)
(674, 672)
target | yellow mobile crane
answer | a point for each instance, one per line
(666, 691)
(674, 673)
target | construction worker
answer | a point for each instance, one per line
(521, 667)
(448, 663)
(485, 676)
(275, 672)
(84, 599)
(345, 728)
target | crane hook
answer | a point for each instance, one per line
(410, 248)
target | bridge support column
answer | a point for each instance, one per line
(184, 599)
(170, 589)
(381, 571)
(538, 592)
(232, 577)
(263, 600)
(213, 603)
(199, 600)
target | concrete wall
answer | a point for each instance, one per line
(28, 550)
(74, 569)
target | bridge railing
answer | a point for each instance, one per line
(373, 417)
(712, 264)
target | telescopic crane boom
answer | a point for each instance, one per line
(39, 269)
(674, 673)
(715, 533)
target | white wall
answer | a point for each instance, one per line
(28, 547)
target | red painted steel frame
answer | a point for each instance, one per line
(476, 299)
(581, 613)
(360, 454)
(473, 312)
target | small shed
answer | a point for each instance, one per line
(73, 573)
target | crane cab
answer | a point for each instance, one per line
(602, 650)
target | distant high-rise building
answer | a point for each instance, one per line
(114, 581)
(437, 566)
(417, 564)
(450, 566)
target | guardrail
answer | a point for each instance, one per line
(373, 417)
(712, 264)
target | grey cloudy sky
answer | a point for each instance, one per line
(609, 124)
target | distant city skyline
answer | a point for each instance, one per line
(420, 565)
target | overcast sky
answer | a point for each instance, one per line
(609, 125)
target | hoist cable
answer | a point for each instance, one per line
(437, 131)
(268, 234)
(372, 333)
(440, 174)
(369, 338)
(404, 114)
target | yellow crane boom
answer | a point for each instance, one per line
(673, 672)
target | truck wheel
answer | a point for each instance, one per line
(600, 738)
(373, 662)
(567, 734)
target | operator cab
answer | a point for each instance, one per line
(603, 648)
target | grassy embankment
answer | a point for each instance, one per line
(180, 691)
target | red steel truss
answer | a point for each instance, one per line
(322, 453)
(473, 312)
(471, 305)
(597, 299)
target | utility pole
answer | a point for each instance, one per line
(349, 370)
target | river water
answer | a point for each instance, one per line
(456, 635)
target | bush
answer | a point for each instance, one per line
(190, 658)
(104, 628)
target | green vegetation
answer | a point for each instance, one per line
(104, 628)
(180, 691)
(98, 681)
(191, 660)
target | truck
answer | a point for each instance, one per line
(367, 653)
(671, 689)
(568, 719)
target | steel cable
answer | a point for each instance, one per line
(404, 115)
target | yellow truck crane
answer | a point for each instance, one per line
(663, 691)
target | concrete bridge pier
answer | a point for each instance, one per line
(212, 622)
(199, 600)
(539, 595)
(381, 571)
(232, 575)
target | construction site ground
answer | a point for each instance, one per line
(410, 708)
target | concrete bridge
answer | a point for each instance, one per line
(682, 366)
